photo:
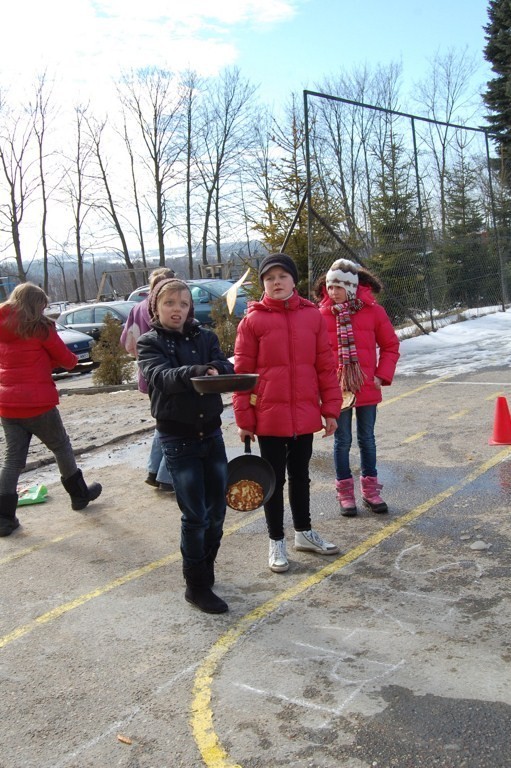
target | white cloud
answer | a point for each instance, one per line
(195, 14)
(89, 41)
(84, 46)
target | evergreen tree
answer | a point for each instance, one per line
(498, 93)
(116, 365)
(463, 210)
(471, 273)
(397, 258)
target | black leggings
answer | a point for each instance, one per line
(293, 454)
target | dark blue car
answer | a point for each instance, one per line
(204, 292)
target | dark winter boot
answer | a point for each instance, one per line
(151, 480)
(8, 520)
(210, 565)
(371, 488)
(198, 592)
(79, 491)
(346, 497)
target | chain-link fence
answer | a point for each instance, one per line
(418, 202)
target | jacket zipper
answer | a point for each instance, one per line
(293, 371)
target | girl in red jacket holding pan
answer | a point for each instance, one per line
(283, 338)
(30, 348)
(366, 350)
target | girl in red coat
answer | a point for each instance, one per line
(30, 348)
(366, 350)
(283, 339)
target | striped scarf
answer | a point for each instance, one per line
(350, 374)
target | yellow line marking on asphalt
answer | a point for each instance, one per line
(44, 544)
(494, 395)
(208, 743)
(246, 521)
(35, 547)
(411, 439)
(60, 610)
(417, 389)
(458, 415)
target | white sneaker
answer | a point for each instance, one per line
(277, 557)
(311, 541)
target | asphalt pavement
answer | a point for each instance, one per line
(395, 653)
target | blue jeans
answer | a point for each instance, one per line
(50, 430)
(366, 418)
(199, 473)
(156, 463)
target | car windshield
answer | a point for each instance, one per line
(219, 287)
(101, 313)
(122, 309)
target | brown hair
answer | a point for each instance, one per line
(157, 275)
(28, 303)
(367, 278)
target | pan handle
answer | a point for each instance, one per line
(247, 444)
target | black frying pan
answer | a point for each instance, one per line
(250, 467)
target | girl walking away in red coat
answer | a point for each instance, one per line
(366, 350)
(283, 338)
(30, 348)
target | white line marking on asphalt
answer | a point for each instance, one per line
(438, 569)
(124, 721)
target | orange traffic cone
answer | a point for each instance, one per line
(502, 424)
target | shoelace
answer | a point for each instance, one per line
(316, 539)
(279, 550)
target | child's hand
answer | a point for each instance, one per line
(377, 382)
(243, 433)
(212, 372)
(329, 426)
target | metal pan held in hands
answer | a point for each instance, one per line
(236, 382)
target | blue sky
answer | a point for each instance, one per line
(326, 36)
(280, 45)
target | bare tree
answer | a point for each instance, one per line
(288, 219)
(79, 180)
(347, 141)
(107, 205)
(226, 111)
(154, 101)
(139, 229)
(191, 86)
(445, 96)
(262, 170)
(17, 170)
(60, 268)
(41, 113)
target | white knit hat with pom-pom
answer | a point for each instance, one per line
(344, 273)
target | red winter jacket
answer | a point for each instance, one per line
(375, 339)
(26, 385)
(286, 343)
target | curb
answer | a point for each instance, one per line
(97, 390)
(30, 465)
(44, 462)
